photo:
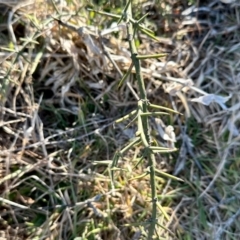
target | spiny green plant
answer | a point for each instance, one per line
(141, 115)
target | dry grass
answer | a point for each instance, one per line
(59, 100)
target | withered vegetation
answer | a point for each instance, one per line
(60, 68)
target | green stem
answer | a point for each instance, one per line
(144, 119)
(153, 221)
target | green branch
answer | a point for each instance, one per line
(141, 115)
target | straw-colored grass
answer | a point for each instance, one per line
(59, 98)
